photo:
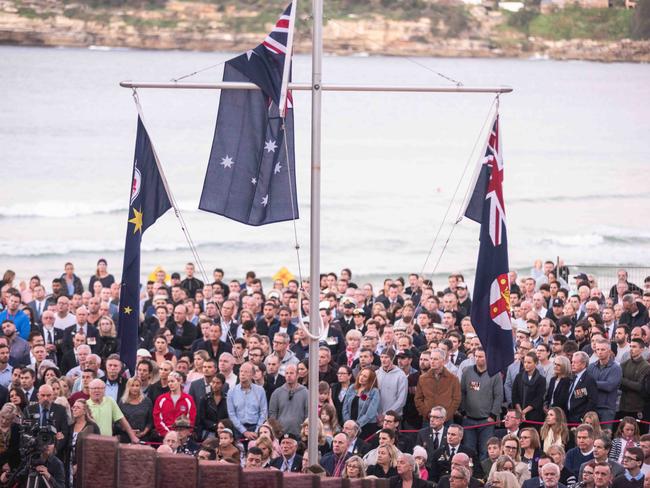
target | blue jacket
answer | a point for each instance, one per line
(608, 379)
(21, 320)
(368, 408)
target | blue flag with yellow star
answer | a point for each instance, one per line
(149, 200)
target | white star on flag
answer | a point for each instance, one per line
(227, 162)
(270, 146)
(254, 181)
(277, 168)
(265, 200)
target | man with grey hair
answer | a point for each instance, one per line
(437, 387)
(607, 373)
(281, 350)
(583, 390)
(635, 314)
(550, 475)
(459, 460)
(460, 477)
(290, 403)
(356, 446)
(93, 361)
(432, 436)
(105, 411)
(226, 367)
(406, 473)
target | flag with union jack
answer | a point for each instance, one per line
(491, 299)
(251, 171)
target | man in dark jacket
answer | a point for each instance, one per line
(583, 391)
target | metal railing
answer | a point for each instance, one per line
(606, 275)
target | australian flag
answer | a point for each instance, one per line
(491, 299)
(149, 200)
(251, 172)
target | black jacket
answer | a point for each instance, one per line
(559, 392)
(530, 392)
(439, 463)
(91, 337)
(58, 419)
(296, 466)
(583, 398)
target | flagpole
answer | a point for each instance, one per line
(314, 235)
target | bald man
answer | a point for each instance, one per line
(48, 413)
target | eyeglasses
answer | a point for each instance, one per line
(630, 458)
(510, 447)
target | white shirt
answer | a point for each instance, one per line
(65, 322)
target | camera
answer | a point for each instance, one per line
(34, 439)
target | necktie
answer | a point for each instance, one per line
(436, 440)
(573, 387)
(49, 336)
(453, 359)
(285, 466)
(452, 452)
(44, 417)
(38, 308)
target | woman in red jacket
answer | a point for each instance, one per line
(169, 406)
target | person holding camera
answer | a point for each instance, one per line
(47, 413)
(46, 472)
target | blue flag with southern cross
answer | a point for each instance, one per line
(149, 200)
(251, 172)
(491, 299)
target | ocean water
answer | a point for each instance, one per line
(575, 145)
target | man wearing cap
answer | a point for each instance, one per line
(330, 334)
(392, 383)
(556, 310)
(359, 319)
(288, 461)
(290, 403)
(186, 445)
(347, 319)
(464, 301)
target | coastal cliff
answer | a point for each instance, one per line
(202, 26)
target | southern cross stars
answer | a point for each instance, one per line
(227, 162)
(265, 200)
(254, 181)
(270, 146)
(277, 168)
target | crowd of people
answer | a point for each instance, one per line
(404, 391)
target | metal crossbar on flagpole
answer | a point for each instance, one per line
(317, 88)
(232, 85)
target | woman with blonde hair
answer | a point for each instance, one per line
(503, 479)
(555, 430)
(386, 465)
(196, 372)
(82, 424)
(265, 445)
(355, 468)
(592, 419)
(330, 420)
(9, 436)
(530, 449)
(59, 399)
(137, 408)
(107, 341)
(510, 446)
(323, 446)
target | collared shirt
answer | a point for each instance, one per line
(105, 414)
(287, 463)
(112, 389)
(5, 376)
(639, 476)
(247, 406)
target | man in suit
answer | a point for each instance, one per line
(434, 435)
(214, 346)
(440, 461)
(201, 388)
(583, 391)
(334, 462)
(288, 461)
(39, 303)
(357, 446)
(274, 379)
(52, 336)
(27, 383)
(46, 412)
(82, 326)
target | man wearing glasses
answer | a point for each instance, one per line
(434, 435)
(633, 476)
